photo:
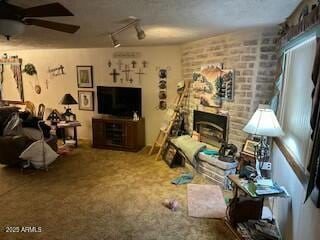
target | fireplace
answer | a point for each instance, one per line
(213, 128)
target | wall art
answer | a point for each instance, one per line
(86, 100)
(212, 84)
(114, 75)
(163, 89)
(85, 76)
(8, 90)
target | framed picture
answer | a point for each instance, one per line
(249, 147)
(172, 156)
(86, 100)
(85, 76)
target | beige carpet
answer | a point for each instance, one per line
(206, 201)
(100, 194)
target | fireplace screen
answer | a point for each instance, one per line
(213, 128)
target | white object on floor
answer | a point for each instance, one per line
(266, 213)
(40, 154)
(70, 142)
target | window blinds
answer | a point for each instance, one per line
(296, 100)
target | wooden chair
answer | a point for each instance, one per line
(41, 109)
(30, 107)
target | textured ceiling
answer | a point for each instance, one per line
(164, 21)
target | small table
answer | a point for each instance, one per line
(64, 126)
(239, 184)
(243, 186)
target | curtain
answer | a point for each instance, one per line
(314, 162)
(1, 80)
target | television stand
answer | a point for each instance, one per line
(118, 133)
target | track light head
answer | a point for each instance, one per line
(115, 42)
(140, 33)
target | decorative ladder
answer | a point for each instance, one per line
(164, 132)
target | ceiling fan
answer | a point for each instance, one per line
(14, 18)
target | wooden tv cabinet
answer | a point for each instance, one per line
(118, 133)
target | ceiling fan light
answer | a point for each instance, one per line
(115, 42)
(11, 28)
(140, 33)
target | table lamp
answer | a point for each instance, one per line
(68, 100)
(263, 123)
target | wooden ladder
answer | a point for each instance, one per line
(165, 131)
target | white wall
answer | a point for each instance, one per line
(297, 220)
(98, 58)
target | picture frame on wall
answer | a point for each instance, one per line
(86, 100)
(250, 146)
(85, 76)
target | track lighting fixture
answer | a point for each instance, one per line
(115, 42)
(140, 33)
(136, 23)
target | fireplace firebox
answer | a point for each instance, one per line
(213, 128)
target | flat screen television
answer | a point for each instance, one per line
(119, 101)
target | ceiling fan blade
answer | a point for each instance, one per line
(48, 10)
(62, 27)
(9, 11)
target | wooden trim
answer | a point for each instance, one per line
(13, 102)
(309, 21)
(292, 161)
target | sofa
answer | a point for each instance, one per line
(12, 146)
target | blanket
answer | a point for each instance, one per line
(189, 146)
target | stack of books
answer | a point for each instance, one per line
(265, 187)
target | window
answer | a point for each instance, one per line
(296, 101)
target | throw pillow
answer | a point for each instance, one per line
(13, 126)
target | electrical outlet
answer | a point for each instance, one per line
(266, 166)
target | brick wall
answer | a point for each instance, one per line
(252, 54)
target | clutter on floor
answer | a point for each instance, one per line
(215, 169)
(172, 204)
(40, 154)
(64, 150)
(189, 147)
(173, 156)
(183, 179)
(215, 165)
(206, 201)
(258, 229)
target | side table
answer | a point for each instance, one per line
(66, 125)
(243, 187)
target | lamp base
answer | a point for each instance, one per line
(68, 115)
(262, 154)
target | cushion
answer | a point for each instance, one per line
(32, 133)
(40, 154)
(5, 114)
(13, 126)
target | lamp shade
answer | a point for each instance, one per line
(264, 123)
(68, 100)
